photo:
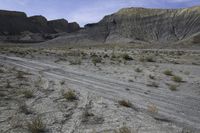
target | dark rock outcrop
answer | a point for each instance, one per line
(163, 25)
(62, 25)
(14, 24)
(40, 25)
(59, 25)
(73, 27)
(140, 24)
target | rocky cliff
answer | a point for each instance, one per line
(163, 25)
(14, 24)
(141, 24)
(62, 25)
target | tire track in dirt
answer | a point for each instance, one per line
(179, 108)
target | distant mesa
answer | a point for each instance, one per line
(14, 24)
(62, 25)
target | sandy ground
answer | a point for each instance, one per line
(155, 101)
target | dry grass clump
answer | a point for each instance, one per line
(152, 108)
(39, 81)
(75, 53)
(8, 84)
(20, 75)
(125, 103)
(28, 93)
(113, 57)
(130, 80)
(36, 125)
(126, 57)
(105, 56)
(70, 95)
(187, 73)
(152, 77)
(123, 129)
(1, 70)
(177, 78)
(150, 59)
(138, 70)
(62, 82)
(147, 58)
(75, 61)
(96, 60)
(173, 87)
(23, 108)
(168, 72)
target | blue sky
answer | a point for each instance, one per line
(86, 11)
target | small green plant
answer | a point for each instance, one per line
(96, 60)
(28, 93)
(177, 78)
(126, 57)
(138, 70)
(173, 87)
(125, 103)
(168, 72)
(70, 95)
(36, 125)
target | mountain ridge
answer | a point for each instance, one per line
(139, 24)
(14, 24)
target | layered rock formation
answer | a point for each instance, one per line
(147, 25)
(62, 25)
(13, 25)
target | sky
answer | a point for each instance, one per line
(86, 11)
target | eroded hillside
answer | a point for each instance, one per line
(130, 25)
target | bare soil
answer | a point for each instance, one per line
(115, 88)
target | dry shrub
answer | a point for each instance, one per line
(70, 95)
(177, 79)
(125, 103)
(96, 60)
(152, 108)
(168, 72)
(36, 125)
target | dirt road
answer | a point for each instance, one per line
(182, 109)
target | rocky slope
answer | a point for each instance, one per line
(15, 24)
(140, 24)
